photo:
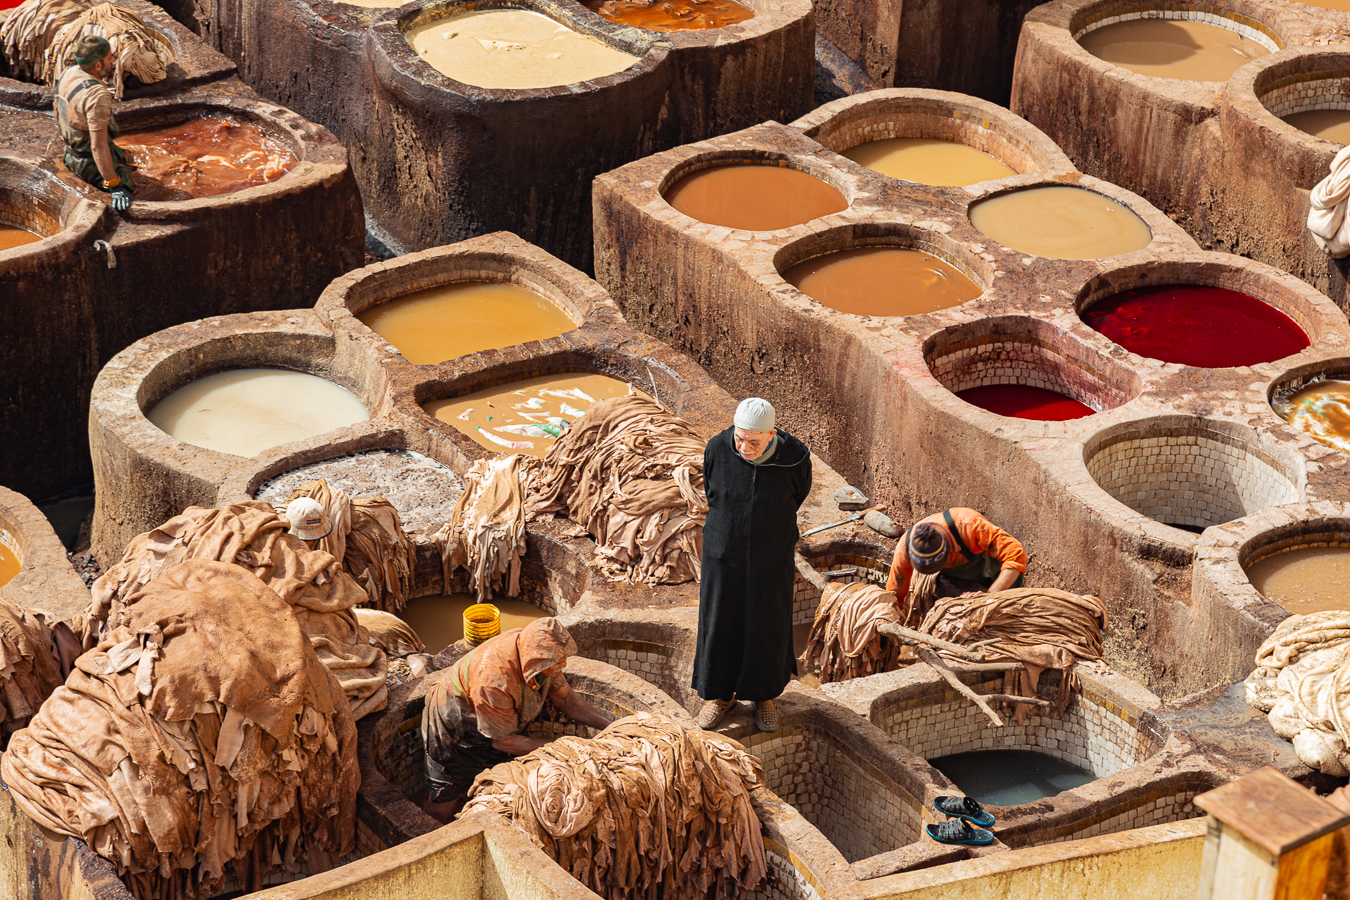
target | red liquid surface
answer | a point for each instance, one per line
(1194, 325)
(10, 4)
(1020, 401)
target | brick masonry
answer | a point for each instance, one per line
(1221, 18)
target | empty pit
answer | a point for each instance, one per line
(931, 137)
(1027, 368)
(1190, 473)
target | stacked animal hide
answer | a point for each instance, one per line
(369, 539)
(628, 472)
(646, 809)
(1042, 628)
(844, 640)
(36, 655)
(39, 37)
(1302, 679)
(252, 535)
(201, 733)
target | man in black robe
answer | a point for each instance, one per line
(756, 476)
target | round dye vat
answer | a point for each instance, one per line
(1021, 401)
(1327, 124)
(882, 281)
(12, 236)
(1173, 48)
(455, 320)
(10, 564)
(672, 15)
(1010, 777)
(1305, 580)
(204, 156)
(514, 48)
(754, 198)
(526, 416)
(928, 161)
(1339, 5)
(439, 619)
(1196, 325)
(1320, 410)
(1061, 223)
(246, 411)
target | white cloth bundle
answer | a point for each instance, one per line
(1327, 219)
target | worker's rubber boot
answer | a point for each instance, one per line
(713, 712)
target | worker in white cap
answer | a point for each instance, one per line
(308, 520)
(756, 476)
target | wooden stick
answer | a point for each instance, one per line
(808, 571)
(1013, 698)
(910, 636)
(971, 668)
(936, 662)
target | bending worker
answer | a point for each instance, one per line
(84, 116)
(960, 543)
(756, 476)
(478, 709)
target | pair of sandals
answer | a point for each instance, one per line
(963, 811)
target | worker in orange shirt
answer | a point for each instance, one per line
(960, 543)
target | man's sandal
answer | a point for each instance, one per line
(712, 712)
(958, 831)
(766, 715)
(964, 808)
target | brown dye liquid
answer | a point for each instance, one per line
(1305, 580)
(204, 157)
(439, 620)
(9, 563)
(672, 15)
(1061, 223)
(1173, 48)
(455, 320)
(1341, 5)
(927, 161)
(523, 416)
(1322, 411)
(753, 197)
(1328, 124)
(882, 281)
(12, 236)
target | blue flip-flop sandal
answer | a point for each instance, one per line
(958, 831)
(964, 808)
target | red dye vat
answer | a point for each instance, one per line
(1020, 401)
(10, 4)
(1195, 325)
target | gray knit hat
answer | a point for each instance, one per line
(755, 414)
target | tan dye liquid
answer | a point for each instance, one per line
(12, 236)
(927, 161)
(439, 620)
(754, 198)
(672, 15)
(455, 320)
(1322, 411)
(1173, 48)
(1341, 5)
(1061, 223)
(882, 281)
(514, 48)
(246, 411)
(517, 417)
(1306, 580)
(1328, 124)
(9, 563)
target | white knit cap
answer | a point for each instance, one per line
(755, 414)
(307, 518)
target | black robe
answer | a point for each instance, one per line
(746, 585)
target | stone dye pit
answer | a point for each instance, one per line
(1319, 409)
(516, 155)
(204, 156)
(1191, 45)
(928, 161)
(753, 197)
(672, 16)
(1060, 223)
(882, 281)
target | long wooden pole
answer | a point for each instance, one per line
(936, 662)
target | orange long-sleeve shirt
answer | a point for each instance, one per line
(978, 533)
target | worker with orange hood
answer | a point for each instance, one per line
(478, 709)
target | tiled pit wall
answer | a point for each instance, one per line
(665, 667)
(1244, 25)
(1338, 539)
(28, 214)
(805, 597)
(958, 126)
(1189, 476)
(1025, 360)
(1172, 803)
(1094, 732)
(785, 881)
(858, 809)
(1301, 93)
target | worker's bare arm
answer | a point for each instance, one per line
(98, 141)
(575, 707)
(518, 744)
(1006, 578)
